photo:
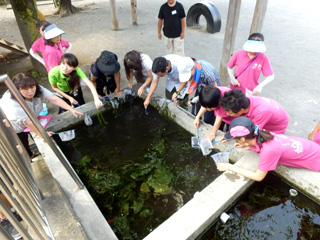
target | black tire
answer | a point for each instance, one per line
(209, 11)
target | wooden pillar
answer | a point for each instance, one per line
(114, 15)
(26, 13)
(134, 11)
(259, 15)
(229, 39)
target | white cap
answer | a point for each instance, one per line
(254, 46)
(52, 31)
(184, 68)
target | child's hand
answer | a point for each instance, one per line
(98, 103)
(211, 136)
(222, 167)
(146, 103)
(140, 91)
(236, 83)
(73, 101)
(118, 92)
(196, 122)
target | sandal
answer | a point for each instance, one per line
(33, 156)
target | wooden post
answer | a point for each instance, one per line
(114, 15)
(229, 39)
(26, 13)
(134, 15)
(259, 15)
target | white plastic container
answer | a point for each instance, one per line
(224, 217)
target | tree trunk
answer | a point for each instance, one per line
(27, 18)
(66, 8)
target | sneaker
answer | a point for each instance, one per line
(10, 229)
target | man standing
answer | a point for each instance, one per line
(172, 12)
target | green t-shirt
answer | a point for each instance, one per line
(56, 77)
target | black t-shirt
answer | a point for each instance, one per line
(172, 19)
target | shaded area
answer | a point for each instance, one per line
(139, 168)
(267, 211)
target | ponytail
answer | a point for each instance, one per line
(74, 81)
(261, 135)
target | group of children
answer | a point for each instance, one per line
(254, 122)
(184, 76)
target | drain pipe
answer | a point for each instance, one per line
(5, 78)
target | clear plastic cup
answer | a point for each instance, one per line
(221, 157)
(205, 145)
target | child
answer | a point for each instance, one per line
(65, 80)
(55, 48)
(250, 62)
(173, 18)
(315, 134)
(265, 112)
(209, 99)
(105, 74)
(39, 46)
(139, 65)
(274, 149)
(200, 74)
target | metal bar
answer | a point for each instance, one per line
(4, 234)
(33, 223)
(4, 209)
(14, 161)
(34, 120)
(29, 203)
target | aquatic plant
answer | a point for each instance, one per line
(139, 169)
(101, 118)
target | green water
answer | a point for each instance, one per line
(139, 168)
(267, 211)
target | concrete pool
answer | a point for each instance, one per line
(195, 216)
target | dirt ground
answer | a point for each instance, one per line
(291, 30)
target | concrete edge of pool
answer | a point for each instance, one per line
(195, 216)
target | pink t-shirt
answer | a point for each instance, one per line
(39, 46)
(290, 151)
(267, 114)
(219, 111)
(52, 54)
(250, 77)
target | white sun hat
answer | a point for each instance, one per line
(52, 31)
(185, 68)
(254, 46)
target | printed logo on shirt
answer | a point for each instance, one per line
(297, 146)
(174, 12)
(257, 66)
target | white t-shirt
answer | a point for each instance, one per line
(172, 77)
(15, 113)
(146, 63)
